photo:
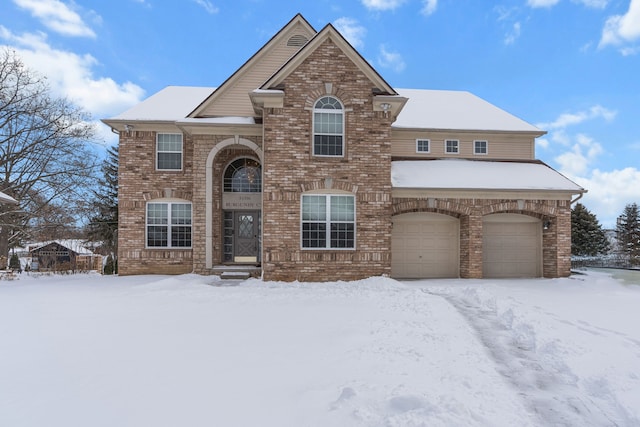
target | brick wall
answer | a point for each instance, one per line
(290, 170)
(139, 182)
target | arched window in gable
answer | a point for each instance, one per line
(328, 127)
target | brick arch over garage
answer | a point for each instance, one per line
(533, 208)
(236, 141)
(446, 207)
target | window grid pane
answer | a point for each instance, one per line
(342, 208)
(156, 236)
(314, 235)
(314, 208)
(422, 145)
(162, 233)
(480, 147)
(169, 151)
(451, 146)
(327, 145)
(328, 127)
(333, 231)
(342, 235)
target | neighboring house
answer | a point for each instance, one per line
(69, 254)
(305, 164)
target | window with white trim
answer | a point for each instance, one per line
(168, 225)
(328, 221)
(328, 127)
(423, 146)
(451, 146)
(480, 147)
(169, 151)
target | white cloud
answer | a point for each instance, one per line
(569, 119)
(609, 192)
(429, 7)
(542, 3)
(511, 37)
(57, 16)
(208, 6)
(582, 154)
(392, 60)
(594, 4)
(620, 30)
(351, 31)
(71, 75)
(382, 4)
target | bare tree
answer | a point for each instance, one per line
(46, 160)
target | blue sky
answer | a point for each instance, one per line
(571, 67)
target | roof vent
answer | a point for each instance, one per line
(297, 41)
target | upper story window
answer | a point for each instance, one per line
(451, 146)
(169, 225)
(243, 176)
(480, 147)
(169, 151)
(328, 221)
(423, 146)
(328, 127)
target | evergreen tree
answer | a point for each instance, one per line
(103, 227)
(587, 236)
(628, 233)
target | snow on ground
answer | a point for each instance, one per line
(86, 350)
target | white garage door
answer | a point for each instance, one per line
(512, 246)
(424, 245)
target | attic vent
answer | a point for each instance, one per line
(297, 41)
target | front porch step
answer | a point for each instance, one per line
(235, 275)
(236, 272)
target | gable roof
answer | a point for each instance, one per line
(297, 26)
(456, 110)
(329, 33)
(74, 245)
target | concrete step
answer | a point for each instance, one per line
(237, 275)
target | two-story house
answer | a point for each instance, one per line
(305, 164)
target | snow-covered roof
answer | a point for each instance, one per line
(231, 120)
(447, 109)
(76, 245)
(425, 109)
(171, 103)
(462, 174)
(5, 198)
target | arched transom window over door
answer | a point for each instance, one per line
(243, 176)
(328, 127)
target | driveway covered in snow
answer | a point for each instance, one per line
(191, 350)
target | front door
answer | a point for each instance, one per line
(247, 245)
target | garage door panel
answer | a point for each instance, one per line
(512, 246)
(425, 246)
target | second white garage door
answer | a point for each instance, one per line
(425, 245)
(512, 246)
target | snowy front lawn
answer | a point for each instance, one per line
(191, 351)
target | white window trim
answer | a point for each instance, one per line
(475, 151)
(169, 225)
(313, 128)
(418, 145)
(181, 151)
(457, 146)
(328, 222)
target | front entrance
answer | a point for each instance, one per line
(246, 236)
